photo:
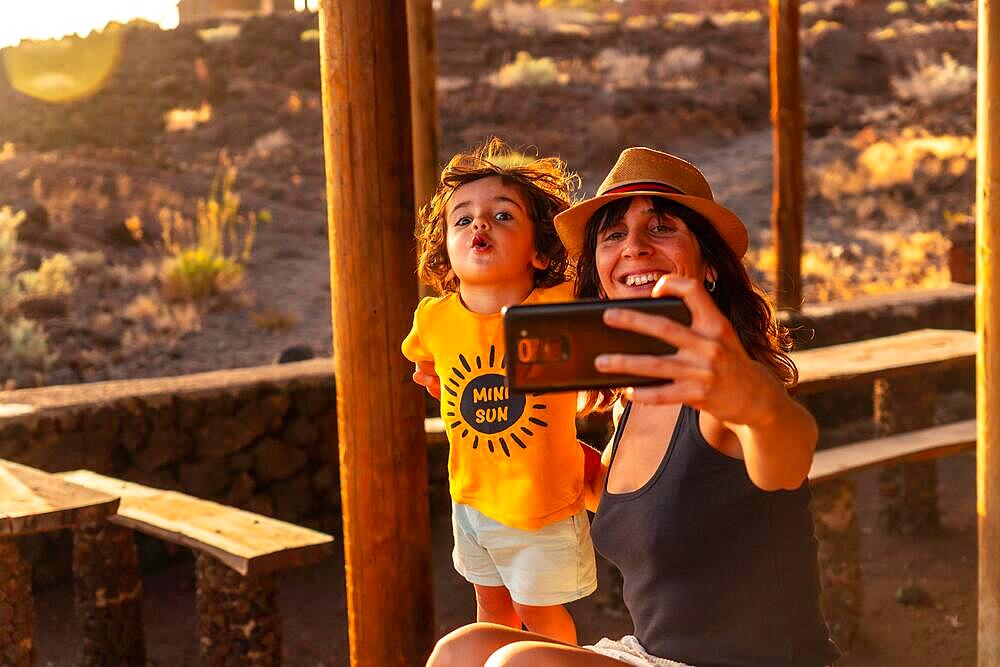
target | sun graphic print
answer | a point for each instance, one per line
(482, 412)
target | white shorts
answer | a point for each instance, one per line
(629, 651)
(540, 568)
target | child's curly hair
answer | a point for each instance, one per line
(546, 185)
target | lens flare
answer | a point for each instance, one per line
(63, 70)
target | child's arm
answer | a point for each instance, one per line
(415, 349)
(425, 375)
(595, 469)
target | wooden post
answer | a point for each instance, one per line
(423, 94)
(788, 120)
(383, 453)
(987, 330)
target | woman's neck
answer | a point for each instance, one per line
(487, 299)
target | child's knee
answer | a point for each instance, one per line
(494, 599)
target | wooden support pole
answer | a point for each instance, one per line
(788, 121)
(107, 591)
(988, 332)
(423, 95)
(383, 453)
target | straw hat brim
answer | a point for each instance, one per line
(571, 224)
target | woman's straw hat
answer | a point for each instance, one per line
(643, 171)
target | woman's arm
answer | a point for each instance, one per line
(713, 373)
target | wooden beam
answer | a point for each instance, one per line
(915, 353)
(923, 445)
(988, 331)
(247, 542)
(383, 454)
(788, 121)
(33, 501)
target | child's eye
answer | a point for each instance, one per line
(463, 221)
(503, 216)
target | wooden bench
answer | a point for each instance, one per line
(903, 370)
(237, 556)
(32, 501)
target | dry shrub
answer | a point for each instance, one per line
(150, 321)
(622, 70)
(529, 18)
(918, 160)
(930, 82)
(876, 263)
(23, 343)
(208, 255)
(222, 34)
(528, 71)
(274, 319)
(678, 61)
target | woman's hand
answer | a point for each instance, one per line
(713, 373)
(425, 375)
(710, 371)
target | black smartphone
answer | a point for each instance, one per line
(551, 347)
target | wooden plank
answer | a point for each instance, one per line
(925, 444)
(987, 325)
(367, 121)
(788, 121)
(33, 501)
(247, 542)
(913, 353)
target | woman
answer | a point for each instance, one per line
(704, 503)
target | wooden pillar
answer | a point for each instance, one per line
(17, 610)
(839, 558)
(908, 490)
(108, 595)
(988, 330)
(383, 453)
(238, 619)
(423, 96)
(788, 121)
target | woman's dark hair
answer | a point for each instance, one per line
(737, 297)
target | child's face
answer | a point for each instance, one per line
(490, 234)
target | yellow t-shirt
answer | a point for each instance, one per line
(514, 457)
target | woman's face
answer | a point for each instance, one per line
(633, 253)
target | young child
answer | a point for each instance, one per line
(486, 240)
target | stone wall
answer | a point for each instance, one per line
(265, 439)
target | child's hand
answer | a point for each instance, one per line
(426, 377)
(593, 476)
